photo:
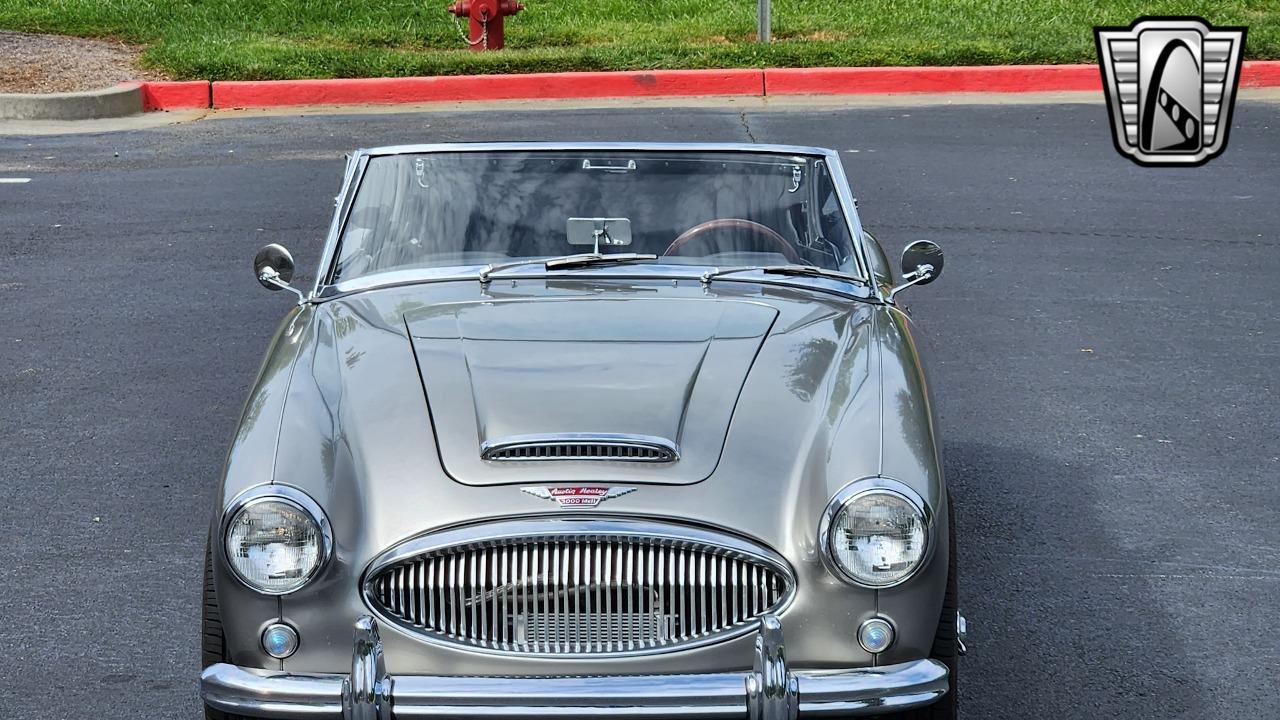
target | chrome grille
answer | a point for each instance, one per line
(598, 591)
(581, 447)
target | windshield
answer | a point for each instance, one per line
(446, 209)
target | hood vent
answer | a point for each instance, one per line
(617, 448)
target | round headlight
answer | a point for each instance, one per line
(276, 544)
(875, 536)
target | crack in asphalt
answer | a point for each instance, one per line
(746, 127)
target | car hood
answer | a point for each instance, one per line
(665, 371)
(399, 389)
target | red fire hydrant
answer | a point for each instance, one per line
(486, 20)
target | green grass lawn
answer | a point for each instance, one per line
(261, 39)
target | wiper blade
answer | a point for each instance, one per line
(795, 270)
(811, 271)
(574, 261)
(565, 261)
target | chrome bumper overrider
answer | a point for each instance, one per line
(769, 692)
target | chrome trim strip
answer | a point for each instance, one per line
(669, 450)
(504, 533)
(356, 164)
(424, 276)
(768, 692)
(288, 494)
(851, 492)
(849, 205)
(543, 146)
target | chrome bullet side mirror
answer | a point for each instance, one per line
(273, 267)
(921, 265)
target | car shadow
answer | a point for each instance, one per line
(1060, 625)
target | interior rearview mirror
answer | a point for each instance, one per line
(598, 232)
(921, 265)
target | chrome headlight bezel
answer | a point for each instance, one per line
(852, 492)
(282, 494)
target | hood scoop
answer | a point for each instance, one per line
(619, 448)
(631, 389)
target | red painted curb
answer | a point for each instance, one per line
(1260, 73)
(899, 80)
(994, 78)
(668, 83)
(659, 83)
(175, 95)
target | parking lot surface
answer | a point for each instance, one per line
(1104, 348)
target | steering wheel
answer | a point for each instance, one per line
(701, 230)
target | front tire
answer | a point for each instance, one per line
(213, 645)
(946, 642)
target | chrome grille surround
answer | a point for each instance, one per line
(580, 446)
(580, 587)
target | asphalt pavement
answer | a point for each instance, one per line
(1104, 348)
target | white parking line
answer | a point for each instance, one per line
(14, 181)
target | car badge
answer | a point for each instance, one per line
(578, 496)
(1170, 85)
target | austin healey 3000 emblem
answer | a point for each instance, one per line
(1170, 85)
(578, 496)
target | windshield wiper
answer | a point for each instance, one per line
(796, 270)
(575, 261)
(565, 262)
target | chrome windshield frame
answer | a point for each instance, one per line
(358, 163)
(630, 273)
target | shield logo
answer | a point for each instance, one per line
(1170, 85)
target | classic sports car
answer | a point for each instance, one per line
(582, 431)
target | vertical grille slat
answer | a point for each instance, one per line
(702, 594)
(630, 573)
(535, 593)
(522, 632)
(544, 576)
(557, 566)
(664, 590)
(579, 595)
(455, 596)
(406, 592)
(482, 598)
(734, 589)
(608, 591)
(392, 596)
(649, 584)
(419, 597)
(602, 592)
(685, 619)
(499, 597)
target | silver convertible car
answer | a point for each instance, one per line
(583, 431)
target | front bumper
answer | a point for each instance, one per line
(769, 692)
